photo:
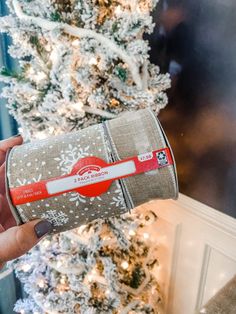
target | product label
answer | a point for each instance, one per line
(91, 176)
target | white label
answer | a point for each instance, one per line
(76, 181)
(145, 156)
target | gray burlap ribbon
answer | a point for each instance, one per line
(128, 135)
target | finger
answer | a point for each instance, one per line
(8, 143)
(1, 208)
(2, 265)
(16, 241)
(7, 219)
(2, 177)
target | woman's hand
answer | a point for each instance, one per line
(15, 240)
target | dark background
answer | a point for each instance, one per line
(195, 41)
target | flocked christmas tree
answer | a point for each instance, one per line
(80, 62)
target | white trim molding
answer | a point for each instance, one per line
(208, 214)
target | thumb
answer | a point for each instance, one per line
(18, 240)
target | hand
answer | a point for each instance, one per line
(15, 240)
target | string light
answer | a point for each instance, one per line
(77, 106)
(40, 76)
(63, 280)
(146, 235)
(124, 264)
(51, 129)
(59, 264)
(47, 47)
(45, 243)
(75, 43)
(118, 10)
(132, 233)
(40, 135)
(47, 304)
(41, 283)
(90, 278)
(33, 97)
(26, 267)
(93, 61)
(54, 56)
(31, 71)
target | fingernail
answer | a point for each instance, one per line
(17, 135)
(43, 227)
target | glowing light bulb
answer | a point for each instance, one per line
(26, 267)
(47, 304)
(31, 71)
(77, 106)
(54, 55)
(40, 76)
(90, 278)
(40, 135)
(93, 61)
(146, 235)
(59, 264)
(132, 233)
(47, 47)
(51, 129)
(118, 10)
(124, 264)
(107, 292)
(75, 43)
(41, 283)
(45, 243)
(33, 97)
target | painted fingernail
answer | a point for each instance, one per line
(43, 227)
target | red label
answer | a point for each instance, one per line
(91, 176)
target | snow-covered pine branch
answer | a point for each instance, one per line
(81, 32)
